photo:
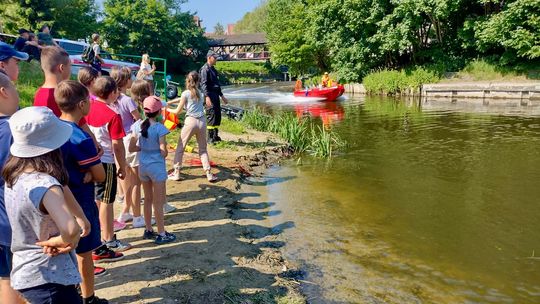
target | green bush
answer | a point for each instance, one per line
(421, 76)
(392, 82)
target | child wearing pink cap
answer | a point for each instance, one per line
(152, 147)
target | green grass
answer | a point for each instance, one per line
(395, 82)
(30, 79)
(232, 126)
(482, 70)
(226, 145)
(242, 67)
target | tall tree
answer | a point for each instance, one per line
(253, 22)
(514, 32)
(74, 19)
(219, 29)
(67, 18)
(155, 27)
(285, 30)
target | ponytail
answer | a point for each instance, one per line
(144, 127)
(146, 123)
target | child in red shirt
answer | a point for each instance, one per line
(56, 66)
(107, 126)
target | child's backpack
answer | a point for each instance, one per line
(88, 54)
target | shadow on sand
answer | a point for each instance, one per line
(226, 251)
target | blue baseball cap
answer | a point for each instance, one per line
(7, 51)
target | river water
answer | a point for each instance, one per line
(430, 202)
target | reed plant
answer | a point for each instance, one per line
(324, 142)
(299, 133)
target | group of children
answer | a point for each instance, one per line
(67, 156)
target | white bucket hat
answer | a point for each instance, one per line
(37, 131)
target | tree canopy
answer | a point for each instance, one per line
(219, 29)
(253, 22)
(70, 19)
(355, 37)
(155, 27)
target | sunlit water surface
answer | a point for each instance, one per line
(430, 202)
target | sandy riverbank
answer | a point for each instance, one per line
(227, 251)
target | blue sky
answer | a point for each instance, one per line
(214, 11)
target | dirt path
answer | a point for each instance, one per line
(226, 251)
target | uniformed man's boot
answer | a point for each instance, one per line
(210, 138)
(216, 135)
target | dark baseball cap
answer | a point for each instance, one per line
(212, 54)
(7, 51)
(23, 30)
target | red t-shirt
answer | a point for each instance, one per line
(45, 98)
(107, 126)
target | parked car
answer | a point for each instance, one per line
(76, 48)
(7, 38)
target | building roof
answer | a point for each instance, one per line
(237, 39)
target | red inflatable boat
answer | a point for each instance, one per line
(329, 94)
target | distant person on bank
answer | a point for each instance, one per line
(27, 43)
(97, 61)
(33, 48)
(45, 38)
(21, 40)
(212, 92)
(147, 70)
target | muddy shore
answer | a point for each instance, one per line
(227, 251)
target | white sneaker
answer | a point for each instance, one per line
(119, 199)
(175, 175)
(125, 217)
(138, 222)
(168, 208)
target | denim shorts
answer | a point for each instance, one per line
(5, 261)
(93, 240)
(155, 172)
(52, 294)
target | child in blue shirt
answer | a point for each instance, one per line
(152, 171)
(84, 167)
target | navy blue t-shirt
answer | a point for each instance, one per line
(80, 154)
(5, 143)
(19, 43)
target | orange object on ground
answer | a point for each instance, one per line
(170, 120)
(197, 162)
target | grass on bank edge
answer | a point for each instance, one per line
(30, 79)
(299, 133)
(409, 80)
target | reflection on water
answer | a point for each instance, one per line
(431, 204)
(330, 113)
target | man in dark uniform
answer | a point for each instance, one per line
(212, 92)
(21, 41)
